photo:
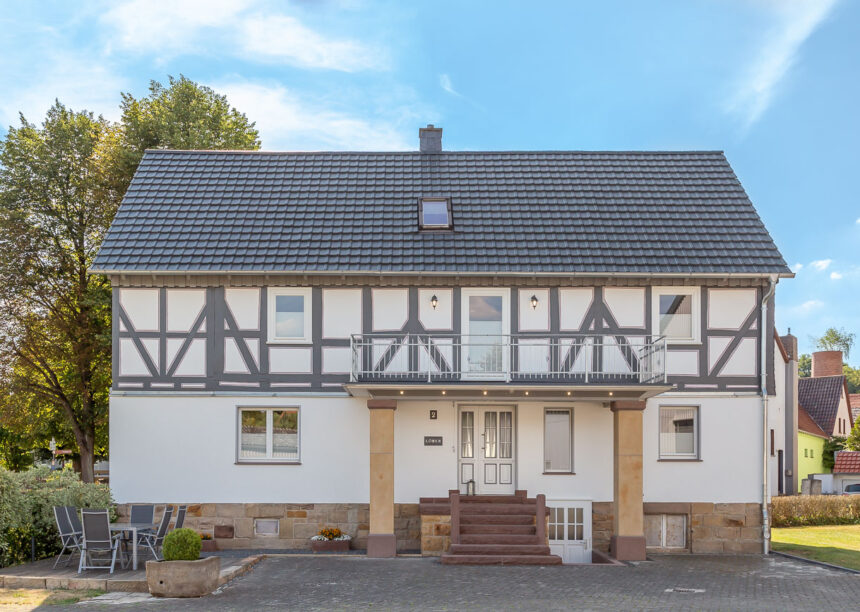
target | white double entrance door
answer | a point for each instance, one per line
(487, 453)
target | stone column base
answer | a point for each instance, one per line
(621, 548)
(384, 545)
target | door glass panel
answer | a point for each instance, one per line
(506, 434)
(485, 329)
(490, 434)
(467, 434)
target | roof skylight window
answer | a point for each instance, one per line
(434, 213)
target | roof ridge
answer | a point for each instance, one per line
(473, 152)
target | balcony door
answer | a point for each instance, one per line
(486, 332)
(487, 453)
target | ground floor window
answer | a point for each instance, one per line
(666, 531)
(268, 435)
(679, 432)
(558, 440)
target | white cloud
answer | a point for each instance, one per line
(166, 27)
(835, 275)
(282, 38)
(821, 264)
(289, 122)
(858, 220)
(446, 84)
(797, 267)
(80, 82)
(805, 308)
(796, 20)
(170, 27)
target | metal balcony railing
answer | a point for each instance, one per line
(523, 358)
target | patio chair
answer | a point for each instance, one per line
(142, 513)
(154, 539)
(69, 537)
(97, 540)
(180, 517)
(74, 518)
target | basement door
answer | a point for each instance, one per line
(487, 449)
(569, 530)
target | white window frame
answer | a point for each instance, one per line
(434, 226)
(272, 293)
(269, 431)
(569, 409)
(697, 424)
(696, 314)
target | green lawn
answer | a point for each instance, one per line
(837, 544)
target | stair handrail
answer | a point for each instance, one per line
(455, 516)
(540, 517)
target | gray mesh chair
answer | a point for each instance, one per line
(180, 517)
(154, 539)
(142, 513)
(69, 537)
(97, 540)
(74, 518)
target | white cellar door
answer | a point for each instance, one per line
(569, 530)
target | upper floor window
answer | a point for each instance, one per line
(435, 213)
(289, 315)
(676, 314)
(679, 432)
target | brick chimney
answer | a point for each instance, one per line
(790, 344)
(430, 139)
(826, 363)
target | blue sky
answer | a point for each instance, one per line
(773, 83)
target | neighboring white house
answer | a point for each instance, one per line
(352, 339)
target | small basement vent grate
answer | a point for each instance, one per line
(684, 590)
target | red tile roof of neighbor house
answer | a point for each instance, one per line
(847, 462)
(806, 424)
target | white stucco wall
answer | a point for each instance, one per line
(729, 469)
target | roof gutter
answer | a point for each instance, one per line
(109, 271)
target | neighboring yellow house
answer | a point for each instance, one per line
(810, 446)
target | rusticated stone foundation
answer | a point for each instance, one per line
(435, 534)
(296, 523)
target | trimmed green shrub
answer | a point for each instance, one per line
(26, 502)
(806, 510)
(182, 545)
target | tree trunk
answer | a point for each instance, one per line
(86, 451)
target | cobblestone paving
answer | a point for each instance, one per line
(341, 583)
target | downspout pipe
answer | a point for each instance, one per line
(765, 515)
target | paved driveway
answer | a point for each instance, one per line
(709, 583)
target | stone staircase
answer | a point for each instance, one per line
(498, 530)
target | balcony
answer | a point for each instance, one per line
(520, 359)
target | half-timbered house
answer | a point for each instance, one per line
(429, 348)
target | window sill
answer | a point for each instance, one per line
(677, 459)
(267, 463)
(559, 474)
(301, 342)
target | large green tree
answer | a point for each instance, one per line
(60, 185)
(836, 340)
(55, 207)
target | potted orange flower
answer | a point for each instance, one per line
(330, 539)
(207, 544)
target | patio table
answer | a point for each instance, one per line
(134, 528)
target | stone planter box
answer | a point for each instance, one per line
(208, 546)
(183, 578)
(323, 546)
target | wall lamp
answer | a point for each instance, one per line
(434, 302)
(534, 301)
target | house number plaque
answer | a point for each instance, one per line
(432, 440)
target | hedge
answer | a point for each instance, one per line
(26, 509)
(804, 510)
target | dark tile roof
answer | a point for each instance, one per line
(847, 462)
(557, 212)
(820, 397)
(806, 424)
